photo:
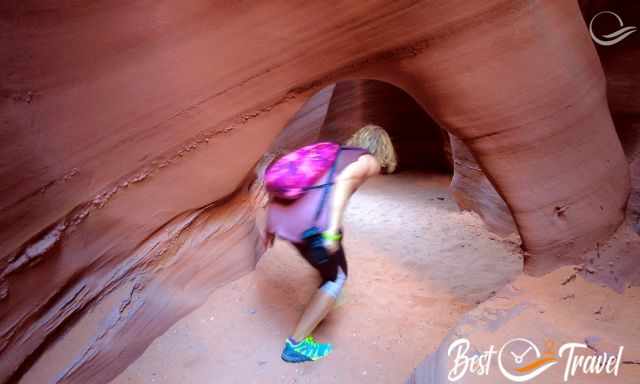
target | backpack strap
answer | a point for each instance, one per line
(325, 188)
(345, 148)
(342, 148)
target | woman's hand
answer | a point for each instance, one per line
(331, 246)
(331, 241)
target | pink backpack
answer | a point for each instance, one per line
(296, 172)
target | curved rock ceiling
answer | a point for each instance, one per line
(130, 131)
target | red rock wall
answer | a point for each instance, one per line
(337, 111)
(473, 191)
(307, 124)
(620, 63)
(121, 119)
(418, 140)
(613, 263)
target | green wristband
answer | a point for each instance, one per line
(331, 236)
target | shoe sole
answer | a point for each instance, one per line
(294, 360)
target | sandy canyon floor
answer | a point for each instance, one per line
(416, 265)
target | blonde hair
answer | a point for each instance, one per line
(377, 141)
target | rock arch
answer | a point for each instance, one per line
(124, 123)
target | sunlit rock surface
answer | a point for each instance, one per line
(131, 130)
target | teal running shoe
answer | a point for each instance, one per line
(306, 350)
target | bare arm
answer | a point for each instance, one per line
(346, 183)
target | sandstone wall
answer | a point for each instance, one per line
(620, 63)
(418, 140)
(124, 123)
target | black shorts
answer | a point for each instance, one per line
(323, 261)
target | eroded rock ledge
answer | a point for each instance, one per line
(125, 121)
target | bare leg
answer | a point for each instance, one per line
(345, 185)
(317, 309)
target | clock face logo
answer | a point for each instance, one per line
(614, 37)
(520, 360)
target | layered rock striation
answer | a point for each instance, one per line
(131, 130)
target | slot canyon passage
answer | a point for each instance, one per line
(131, 222)
(412, 255)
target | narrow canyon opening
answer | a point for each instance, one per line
(131, 229)
(417, 264)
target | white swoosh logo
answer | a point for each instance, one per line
(612, 38)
